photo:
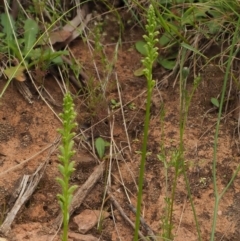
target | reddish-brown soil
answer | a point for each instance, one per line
(26, 129)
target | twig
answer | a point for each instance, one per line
(123, 116)
(28, 185)
(26, 188)
(144, 224)
(117, 205)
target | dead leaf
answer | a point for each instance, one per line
(59, 36)
(71, 30)
(72, 25)
(64, 34)
(80, 28)
(16, 72)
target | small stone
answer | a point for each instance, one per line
(87, 219)
(81, 237)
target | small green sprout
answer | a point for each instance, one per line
(114, 104)
(215, 102)
(100, 145)
(132, 106)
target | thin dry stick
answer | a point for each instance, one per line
(28, 185)
(23, 10)
(117, 205)
(126, 190)
(144, 224)
(30, 76)
(128, 168)
(123, 116)
(204, 133)
(85, 144)
(122, 182)
(114, 221)
(225, 234)
(180, 221)
(110, 152)
(72, 79)
(49, 97)
(59, 84)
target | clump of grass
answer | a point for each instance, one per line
(22, 45)
(197, 26)
(151, 40)
(66, 167)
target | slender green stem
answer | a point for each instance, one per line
(142, 165)
(186, 100)
(65, 204)
(179, 164)
(148, 63)
(178, 159)
(216, 193)
(192, 205)
(170, 213)
(196, 82)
